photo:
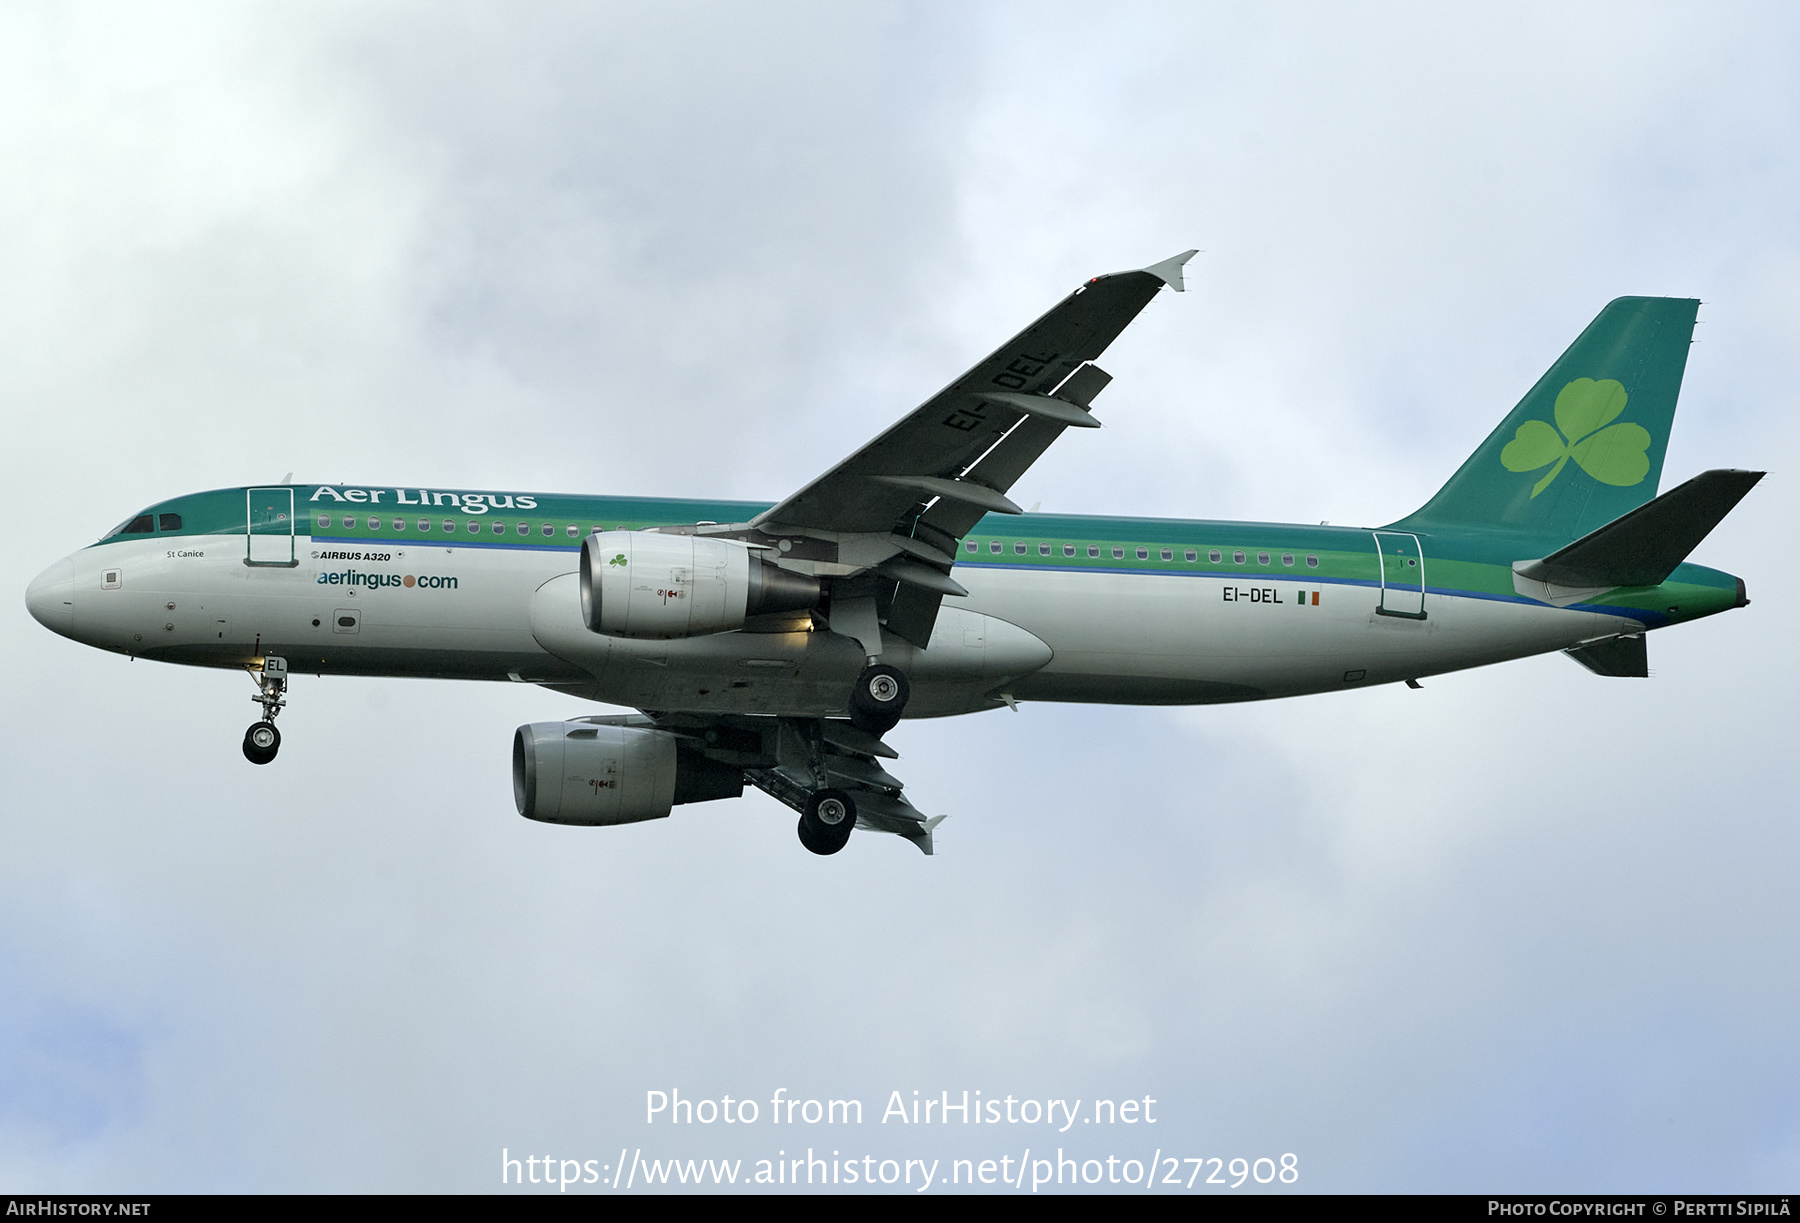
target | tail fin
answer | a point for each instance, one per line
(1586, 443)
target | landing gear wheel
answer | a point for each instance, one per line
(877, 700)
(826, 824)
(261, 742)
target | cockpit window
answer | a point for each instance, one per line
(168, 522)
(143, 524)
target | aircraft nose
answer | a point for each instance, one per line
(51, 598)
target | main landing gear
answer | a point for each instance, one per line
(262, 740)
(878, 699)
(828, 816)
(827, 821)
(830, 773)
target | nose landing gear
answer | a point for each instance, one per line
(262, 740)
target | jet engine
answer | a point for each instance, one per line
(588, 773)
(644, 584)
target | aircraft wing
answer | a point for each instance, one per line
(953, 450)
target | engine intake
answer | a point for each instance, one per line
(644, 584)
(582, 773)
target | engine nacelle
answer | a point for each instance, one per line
(582, 773)
(645, 584)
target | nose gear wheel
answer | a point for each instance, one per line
(262, 740)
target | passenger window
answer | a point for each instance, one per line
(1068, 549)
(474, 527)
(550, 530)
(1019, 548)
(1093, 551)
(971, 546)
(449, 524)
(1167, 555)
(324, 521)
(1237, 558)
(1214, 556)
(996, 546)
(524, 528)
(1312, 562)
(138, 526)
(399, 524)
(499, 528)
(1192, 556)
(1118, 554)
(1262, 558)
(374, 524)
(168, 522)
(424, 524)
(1287, 558)
(1043, 549)
(1143, 554)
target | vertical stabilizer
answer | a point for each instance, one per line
(1586, 443)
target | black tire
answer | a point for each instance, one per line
(261, 742)
(813, 842)
(878, 699)
(819, 831)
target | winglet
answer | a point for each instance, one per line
(1169, 270)
(924, 840)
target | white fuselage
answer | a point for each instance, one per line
(1025, 634)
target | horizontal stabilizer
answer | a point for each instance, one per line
(1621, 657)
(1642, 547)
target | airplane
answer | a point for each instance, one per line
(775, 645)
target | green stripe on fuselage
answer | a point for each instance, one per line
(1471, 563)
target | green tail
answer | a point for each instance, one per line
(1586, 443)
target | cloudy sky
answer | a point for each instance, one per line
(1526, 929)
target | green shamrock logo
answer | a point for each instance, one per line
(1612, 454)
(617, 560)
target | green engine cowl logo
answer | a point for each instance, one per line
(617, 560)
(1612, 454)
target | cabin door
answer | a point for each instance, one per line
(271, 526)
(1402, 575)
